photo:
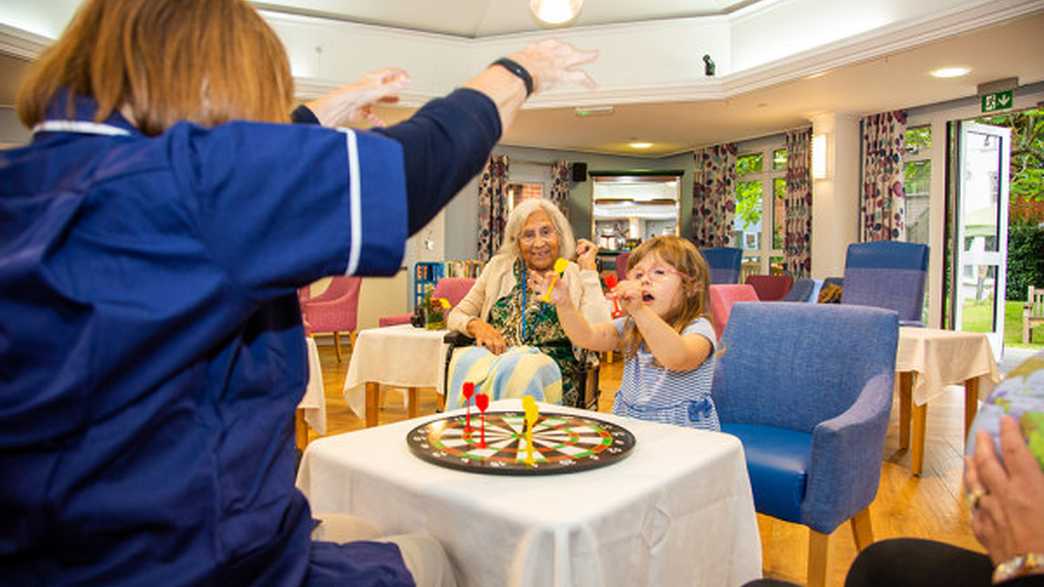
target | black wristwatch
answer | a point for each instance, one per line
(514, 67)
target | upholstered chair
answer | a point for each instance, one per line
(887, 274)
(724, 263)
(807, 388)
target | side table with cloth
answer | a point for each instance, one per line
(312, 407)
(677, 511)
(929, 359)
(402, 356)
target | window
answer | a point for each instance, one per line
(917, 176)
(761, 187)
(917, 180)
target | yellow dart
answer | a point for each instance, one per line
(532, 413)
(560, 267)
(444, 303)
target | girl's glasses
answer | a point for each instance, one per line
(657, 273)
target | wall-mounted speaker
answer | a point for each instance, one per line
(579, 172)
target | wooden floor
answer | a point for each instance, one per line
(926, 507)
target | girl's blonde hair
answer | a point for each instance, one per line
(684, 257)
(205, 61)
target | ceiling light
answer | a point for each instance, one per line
(555, 11)
(950, 71)
(639, 145)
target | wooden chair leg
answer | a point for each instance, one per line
(971, 403)
(862, 530)
(919, 417)
(351, 339)
(337, 345)
(441, 399)
(411, 406)
(300, 429)
(905, 396)
(372, 406)
(817, 558)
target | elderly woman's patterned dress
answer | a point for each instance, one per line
(543, 331)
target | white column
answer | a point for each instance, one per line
(835, 199)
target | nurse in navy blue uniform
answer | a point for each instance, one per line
(152, 237)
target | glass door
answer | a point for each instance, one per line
(981, 238)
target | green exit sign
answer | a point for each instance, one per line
(998, 101)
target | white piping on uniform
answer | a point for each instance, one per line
(354, 202)
(80, 126)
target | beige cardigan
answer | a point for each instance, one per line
(497, 279)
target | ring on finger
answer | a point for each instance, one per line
(974, 497)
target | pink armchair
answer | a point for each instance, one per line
(722, 297)
(336, 310)
(452, 288)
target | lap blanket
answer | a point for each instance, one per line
(520, 371)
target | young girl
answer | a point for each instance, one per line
(667, 341)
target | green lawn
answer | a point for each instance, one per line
(976, 318)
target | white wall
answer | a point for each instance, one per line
(835, 200)
(11, 130)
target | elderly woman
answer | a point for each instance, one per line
(502, 310)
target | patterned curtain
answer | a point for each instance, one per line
(714, 196)
(561, 175)
(884, 200)
(492, 206)
(797, 240)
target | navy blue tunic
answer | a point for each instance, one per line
(151, 348)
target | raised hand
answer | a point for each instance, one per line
(1008, 502)
(539, 282)
(586, 253)
(352, 104)
(629, 295)
(553, 63)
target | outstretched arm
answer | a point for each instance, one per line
(671, 349)
(596, 337)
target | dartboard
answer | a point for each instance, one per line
(562, 443)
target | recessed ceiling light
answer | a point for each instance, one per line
(639, 145)
(949, 72)
(555, 11)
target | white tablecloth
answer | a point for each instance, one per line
(401, 355)
(678, 511)
(945, 357)
(314, 402)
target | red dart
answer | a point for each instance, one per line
(610, 282)
(482, 401)
(468, 390)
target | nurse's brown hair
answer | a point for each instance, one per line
(205, 61)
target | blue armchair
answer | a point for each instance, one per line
(807, 388)
(887, 274)
(724, 263)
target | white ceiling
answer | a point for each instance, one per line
(897, 80)
(484, 18)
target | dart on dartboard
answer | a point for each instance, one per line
(529, 405)
(560, 267)
(482, 402)
(468, 390)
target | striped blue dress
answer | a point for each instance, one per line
(651, 392)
